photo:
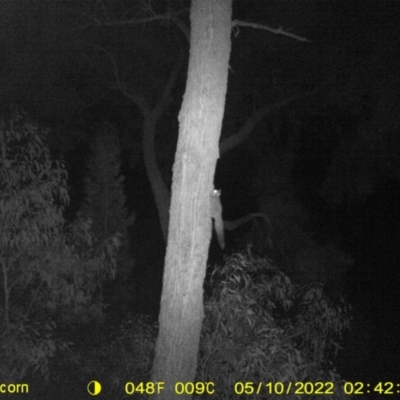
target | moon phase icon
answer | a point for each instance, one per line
(94, 388)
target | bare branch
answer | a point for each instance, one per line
(149, 16)
(138, 99)
(181, 25)
(234, 140)
(278, 31)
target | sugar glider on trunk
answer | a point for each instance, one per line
(220, 225)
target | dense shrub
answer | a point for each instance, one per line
(126, 356)
(51, 276)
(261, 328)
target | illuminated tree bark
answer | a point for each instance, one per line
(189, 232)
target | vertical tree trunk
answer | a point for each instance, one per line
(190, 224)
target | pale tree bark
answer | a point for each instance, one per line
(189, 232)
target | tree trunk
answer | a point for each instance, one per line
(189, 233)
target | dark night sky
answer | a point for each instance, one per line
(341, 128)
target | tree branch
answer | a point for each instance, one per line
(138, 99)
(169, 16)
(234, 140)
(278, 31)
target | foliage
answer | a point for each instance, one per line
(126, 356)
(260, 327)
(28, 346)
(29, 216)
(50, 277)
(105, 199)
(105, 204)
